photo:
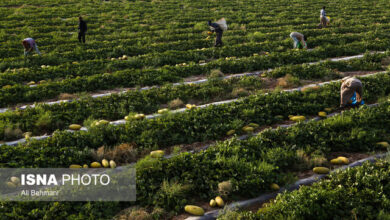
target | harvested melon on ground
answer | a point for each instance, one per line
(157, 153)
(27, 135)
(190, 106)
(31, 83)
(11, 185)
(254, 125)
(96, 165)
(322, 114)
(75, 166)
(139, 116)
(298, 118)
(231, 132)
(321, 170)
(112, 164)
(105, 163)
(74, 127)
(275, 186)
(162, 111)
(344, 160)
(384, 144)
(248, 129)
(15, 180)
(336, 161)
(103, 122)
(213, 203)
(194, 210)
(219, 201)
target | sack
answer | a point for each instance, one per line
(222, 24)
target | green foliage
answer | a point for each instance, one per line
(367, 188)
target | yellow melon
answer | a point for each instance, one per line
(96, 165)
(298, 118)
(213, 203)
(74, 127)
(275, 186)
(105, 163)
(322, 114)
(219, 201)
(157, 153)
(321, 170)
(112, 164)
(231, 132)
(194, 210)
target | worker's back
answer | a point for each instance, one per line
(216, 27)
(297, 35)
(351, 82)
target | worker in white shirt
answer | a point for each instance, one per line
(323, 18)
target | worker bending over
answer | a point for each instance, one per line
(351, 92)
(29, 44)
(299, 40)
(214, 27)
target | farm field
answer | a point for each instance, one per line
(148, 78)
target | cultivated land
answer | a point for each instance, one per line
(154, 44)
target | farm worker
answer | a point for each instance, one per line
(323, 18)
(29, 44)
(299, 40)
(214, 27)
(351, 92)
(82, 29)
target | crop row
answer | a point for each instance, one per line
(184, 42)
(69, 68)
(250, 165)
(185, 27)
(367, 187)
(130, 78)
(46, 118)
(238, 46)
(208, 123)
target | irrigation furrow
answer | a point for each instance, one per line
(152, 116)
(212, 215)
(2, 110)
